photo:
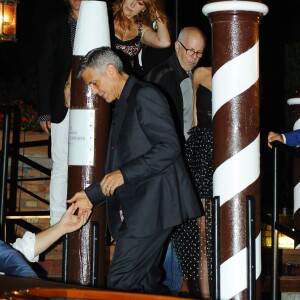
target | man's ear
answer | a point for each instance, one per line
(111, 69)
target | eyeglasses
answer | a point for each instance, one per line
(191, 52)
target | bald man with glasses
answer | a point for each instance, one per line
(174, 78)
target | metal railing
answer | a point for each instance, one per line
(251, 253)
(274, 220)
(12, 151)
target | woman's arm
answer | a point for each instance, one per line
(196, 82)
(67, 91)
(195, 118)
(159, 38)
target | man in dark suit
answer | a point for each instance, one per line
(54, 68)
(146, 187)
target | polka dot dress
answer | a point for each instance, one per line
(192, 241)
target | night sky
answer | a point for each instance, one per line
(280, 27)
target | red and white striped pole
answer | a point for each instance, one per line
(295, 112)
(235, 100)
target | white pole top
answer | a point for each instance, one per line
(293, 101)
(235, 5)
(92, 29)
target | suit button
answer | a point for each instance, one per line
(112, 148)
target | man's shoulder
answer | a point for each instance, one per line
(141, 89)
(135, 86)
(145, 87)
(158, 72)
(134, 83)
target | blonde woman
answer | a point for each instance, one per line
(133, 26)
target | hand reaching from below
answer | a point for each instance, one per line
(71, 222)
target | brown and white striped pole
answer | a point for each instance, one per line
(295, 112)
(236, 136)
(88, 136)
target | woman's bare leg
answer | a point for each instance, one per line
(203, 267)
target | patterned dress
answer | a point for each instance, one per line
(129, 50)
(199, 159)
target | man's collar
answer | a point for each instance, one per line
(127, 87)
(177, 66)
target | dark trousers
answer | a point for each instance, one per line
(136, 263)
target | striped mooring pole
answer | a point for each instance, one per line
(294, 104)
(236, 137)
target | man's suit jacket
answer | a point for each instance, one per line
(55, 63)
(169, 77)
(158, 193)
(292, 138)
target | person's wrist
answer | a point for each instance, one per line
(59, 227)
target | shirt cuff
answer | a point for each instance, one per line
(25, 245)
(284, 139)
(95, 194)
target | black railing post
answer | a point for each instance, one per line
(251, 249)
(4, 165)
(274, 230)
(216, 246)
(65, 257)
(95, 253)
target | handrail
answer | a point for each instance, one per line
(4, 166)
(282, 228)
(274, 230)
(11, 150)
(276, 226)
(216, 246)
(294, 151)
(251, 251)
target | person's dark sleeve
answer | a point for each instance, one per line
(46, 71)
(292, 138)
(12, 263)
(95, 194)
(156, 122)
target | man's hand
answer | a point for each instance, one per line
(71, 222)
(46, 126)
(111, 181)
(273, 136)
(82, 202)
